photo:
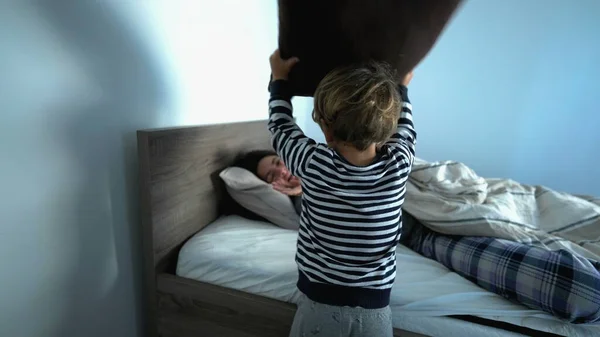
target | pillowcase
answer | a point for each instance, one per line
(259, 197)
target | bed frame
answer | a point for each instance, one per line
(181, 194)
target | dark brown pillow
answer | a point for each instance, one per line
(325, 34)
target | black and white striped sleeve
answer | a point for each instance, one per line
(287, 138)
(405, 137)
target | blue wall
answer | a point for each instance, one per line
(511, 90)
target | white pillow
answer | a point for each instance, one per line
(260, 198)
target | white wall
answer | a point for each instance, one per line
(511, 89)
(78, 78)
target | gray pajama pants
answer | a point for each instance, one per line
(314, 319)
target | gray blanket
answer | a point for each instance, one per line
(450, 198)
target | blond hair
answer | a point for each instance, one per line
(358, 104)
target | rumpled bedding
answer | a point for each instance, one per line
(557, 282)
(530, 244)
(450, 198)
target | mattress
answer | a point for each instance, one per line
(258, 258)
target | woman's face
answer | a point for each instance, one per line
(272, 170)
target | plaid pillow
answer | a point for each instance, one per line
(557, 282)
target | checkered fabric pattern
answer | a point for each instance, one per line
(557, 282)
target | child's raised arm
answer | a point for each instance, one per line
(288, 140)
(405, 137)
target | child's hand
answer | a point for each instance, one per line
(407, 78)
(280, 68)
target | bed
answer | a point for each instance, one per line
(181, 195)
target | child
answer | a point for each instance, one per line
(353, 189)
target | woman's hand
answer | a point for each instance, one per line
(287, 188)
(281, 68)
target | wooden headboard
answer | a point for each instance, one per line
(180, 188)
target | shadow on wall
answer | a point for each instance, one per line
(105, 288)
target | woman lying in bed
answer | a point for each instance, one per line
(553, 281)
(270, 168)
(267, 166)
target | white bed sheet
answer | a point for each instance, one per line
(258, 258)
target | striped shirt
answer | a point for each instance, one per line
(351, 217)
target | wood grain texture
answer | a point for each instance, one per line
(179, 173)
(180, 190)
(217, 310)
(148, 269)
(191, 308)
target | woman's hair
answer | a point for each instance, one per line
(359, 104)
(250, 160)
